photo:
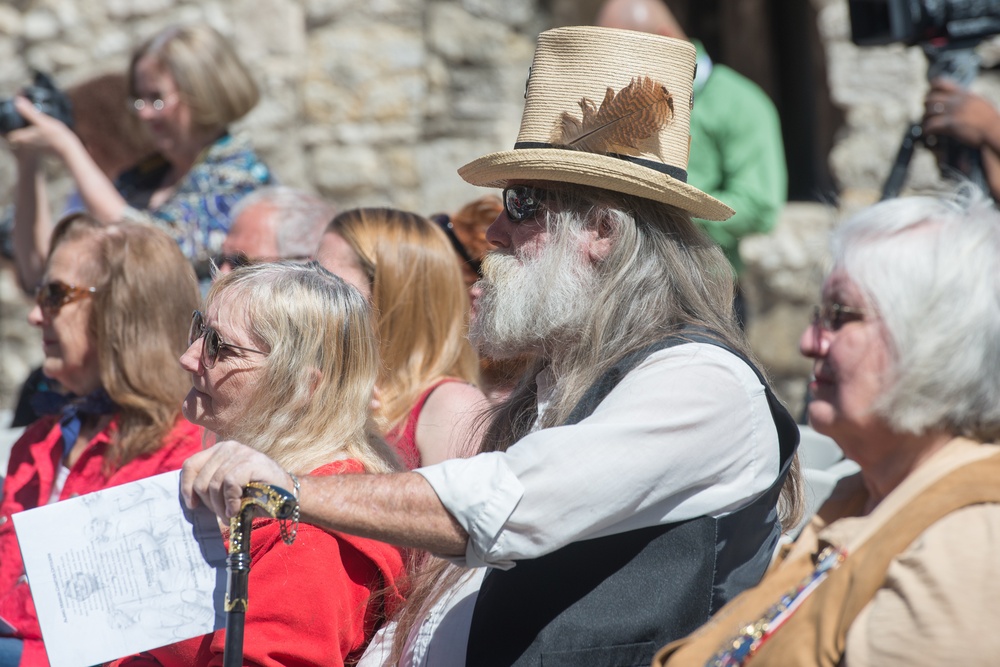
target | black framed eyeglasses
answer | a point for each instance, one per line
(213, 344)
(832, 316)
(52, 296)
(521, 202)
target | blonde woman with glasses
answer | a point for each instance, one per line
(283, 358)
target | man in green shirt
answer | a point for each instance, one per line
(736, 154)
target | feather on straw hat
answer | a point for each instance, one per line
(609, 109)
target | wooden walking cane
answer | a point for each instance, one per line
(276, 503)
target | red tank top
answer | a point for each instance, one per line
(403, 437)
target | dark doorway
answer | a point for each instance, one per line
(776, 44)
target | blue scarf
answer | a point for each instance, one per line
(71, 410)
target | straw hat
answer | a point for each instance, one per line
(610, 109)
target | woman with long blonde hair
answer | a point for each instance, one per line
(284, 358)
(404, 265)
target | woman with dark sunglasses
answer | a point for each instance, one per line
(284, 359)
(112, 311)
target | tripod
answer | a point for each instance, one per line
(956, 61)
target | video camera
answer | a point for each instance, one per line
(44, 94)
(948, 31)
(878, 22)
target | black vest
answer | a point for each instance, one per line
(612, 601)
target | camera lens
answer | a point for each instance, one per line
(10, 119)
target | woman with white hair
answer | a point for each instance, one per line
(898, 567)
(284, 359)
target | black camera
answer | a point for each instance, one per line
(44, 94)
(877, 22)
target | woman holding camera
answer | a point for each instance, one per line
(187, 86)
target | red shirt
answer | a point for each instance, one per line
(317, 601)
(34, 464)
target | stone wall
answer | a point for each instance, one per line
(379, 101)
(368, 102)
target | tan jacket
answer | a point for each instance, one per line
(834, 617)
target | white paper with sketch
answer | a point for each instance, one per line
(122, 570)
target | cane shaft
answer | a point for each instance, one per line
(233, 652)
(276, 503)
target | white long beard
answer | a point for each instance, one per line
(526, 304)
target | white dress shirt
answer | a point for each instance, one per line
(686, 433)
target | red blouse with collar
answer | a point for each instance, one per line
(31, 473)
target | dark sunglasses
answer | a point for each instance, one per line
(521, 202)
(238, 260)
(444, 222)
(213, 344)
(51, 297)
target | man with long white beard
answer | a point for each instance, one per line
(629, 485)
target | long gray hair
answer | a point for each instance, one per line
(661, 275)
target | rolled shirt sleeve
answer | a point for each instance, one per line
(686, 433)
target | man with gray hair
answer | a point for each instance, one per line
(273, 223)
(629, 485)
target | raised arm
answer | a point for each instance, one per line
(96, 189)
(45, 134)
(32, 218)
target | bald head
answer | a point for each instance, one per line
(642, 15)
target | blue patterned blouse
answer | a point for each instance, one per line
(197, 213)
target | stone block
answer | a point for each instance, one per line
(322, 12)
(340, 170)
(40, 25)
(364, 73)
(381, 134)
(463, 38)
(113, 44)
(438, 162)
(11, 22)
(401, 166)
(474, 92)
(787, 264)
(126, 9)
(267, 27)
(514, 13)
